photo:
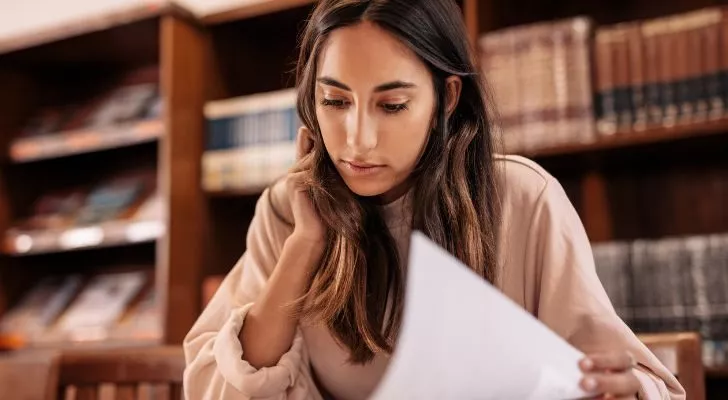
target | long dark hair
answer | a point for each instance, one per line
(458, 208)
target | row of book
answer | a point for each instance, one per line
(124, 207)
(571, 81)
(662, 71)
(670, 285)
(250, 140)
(539, 76)
(75, 308)
(127, 110)
(120, 104)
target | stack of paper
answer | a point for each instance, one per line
(462, 339)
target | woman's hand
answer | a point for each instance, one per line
(610, 375)
(308, 226)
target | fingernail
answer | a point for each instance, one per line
(590, 384)
(587, 364)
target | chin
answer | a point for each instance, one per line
(367, 188)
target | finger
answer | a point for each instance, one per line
(296, 179)
(304, 142)
(614, 385)
(615, 361)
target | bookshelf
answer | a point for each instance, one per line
(632, 140)
(652, 196)
(61, 144)
(99, 180)
(627, 186)
(717, 372)
(651, 183)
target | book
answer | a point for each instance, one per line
(40, 307)
(541, 81)
(121, 105)
(250, 140)
(100, 304)
(569, 81)
(672, 284)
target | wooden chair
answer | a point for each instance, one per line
(681, 353)
(122, 374)
(29, 376)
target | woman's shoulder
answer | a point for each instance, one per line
(528, 192)
(521, 180)
(273, 217)
(278, 205)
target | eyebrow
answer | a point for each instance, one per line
(381, 88)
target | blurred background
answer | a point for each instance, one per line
(136, 136)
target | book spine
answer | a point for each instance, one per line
(682, 87)
(650, 31)
(697, 73)
(534, 73)
(668, 72)
(622, 91)
(723, 52)
(558, 119)
(711, 56)
(637, 77)
(605, 83)
(579, 81)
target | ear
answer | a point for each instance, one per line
(453, 87)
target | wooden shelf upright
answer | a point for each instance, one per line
(78, 64)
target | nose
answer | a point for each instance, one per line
(361, 135)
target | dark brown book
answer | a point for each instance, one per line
(710, 55)
(698, 35)
(723, 52)
(650, 35)
(605, 82)
(682, 88)
(667, 58)
(622, 81)
(637, 77)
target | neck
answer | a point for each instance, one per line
(393, 194)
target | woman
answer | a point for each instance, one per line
(397, 138)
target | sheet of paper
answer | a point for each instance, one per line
(462, 339)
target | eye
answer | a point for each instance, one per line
(393, 108)
(336, 103)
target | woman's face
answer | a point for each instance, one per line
(374, 104)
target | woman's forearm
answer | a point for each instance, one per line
(270, 326)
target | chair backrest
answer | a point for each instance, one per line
(153, 373)
(29, 376)
(681, 353)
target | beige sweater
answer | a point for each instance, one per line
(546, 264)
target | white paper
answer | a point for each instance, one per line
(463, 339)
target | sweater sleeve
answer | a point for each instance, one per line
(571, 299)
(214, 356)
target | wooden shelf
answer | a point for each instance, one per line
(84, 141)
(636, 138)
(17, 344)
(114, 233)
(253, 8)
(94, 23)
(237, 192)
(717, 372)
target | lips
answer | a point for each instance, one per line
(361, 168)
(358, 164)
